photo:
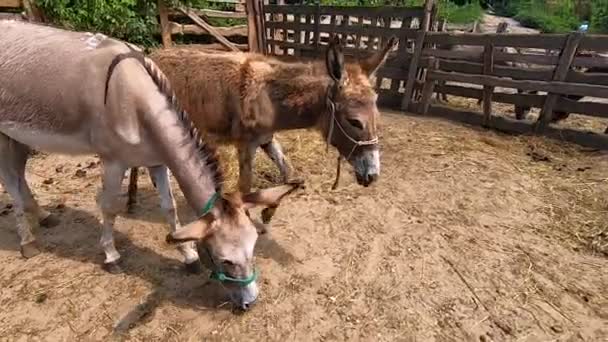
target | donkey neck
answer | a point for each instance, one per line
(191, 162)
(299, 102)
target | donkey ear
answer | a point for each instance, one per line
(373, 63)
(197, 230)
(270, 197)
(334, 59)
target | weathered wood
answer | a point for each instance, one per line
(419, 44)
(165, 28)
(596, 109)
(202, 12)
(261, 31)
(560, 74)
(252, 27)
(488, 69)
(498, 57)
(353, 30)
(375, 11)
(428, 89)
(550, 87)
(548, 41)
(317, 24)
(371, 37)
(176, 28)
(10, 3)
(200, 22)
(597, 42)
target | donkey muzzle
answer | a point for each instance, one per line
(367, 167)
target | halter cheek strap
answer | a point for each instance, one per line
(220, 275)
(333, 121)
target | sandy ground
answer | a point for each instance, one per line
(469, 235)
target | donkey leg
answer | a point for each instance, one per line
(110, 207)
(273, 150)
(132, 190)
(160, 177)
(12, 175)
(246, 159)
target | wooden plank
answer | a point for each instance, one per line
(498, 56)
(366, 11)
(597, 42)
(200, 22)
(550, 87)
(165, 30)
(176, 28)
(541, 41)
(10, 3)
(596, 109)
(419, 44)
(488, 68)
(252, 27)
(203, 12)
(561, 71)
(332, 28)
(317, 24)
(259, 5)
(371, 37)
(502, 71)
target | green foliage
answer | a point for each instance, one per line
(599, 16)
(130, 20)
(463, 14)
(557, 16)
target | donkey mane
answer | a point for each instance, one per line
(207, 152)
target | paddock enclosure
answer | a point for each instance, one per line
(470, 234)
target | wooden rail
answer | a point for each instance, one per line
(200, 26)
(488, 67)
(302, 30)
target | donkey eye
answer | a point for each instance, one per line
(355, 123)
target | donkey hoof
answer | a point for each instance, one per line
(112, 267)
(130, 208)
(194, 267)
(50, 221)
(30, 250)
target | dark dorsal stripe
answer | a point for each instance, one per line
(206, 151)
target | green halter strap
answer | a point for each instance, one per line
(210, 203)
(220, 275)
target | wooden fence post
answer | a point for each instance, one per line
(561, 71)
(411, 74)
(429, 87)
(165, 31)
(488, 69)
(252, 35)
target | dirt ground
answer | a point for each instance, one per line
(470, 235)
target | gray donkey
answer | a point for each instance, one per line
(79, 93)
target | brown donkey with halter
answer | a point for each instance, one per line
(245, 98)
(53, 98)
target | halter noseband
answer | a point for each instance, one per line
(333, 121)
(332, 90)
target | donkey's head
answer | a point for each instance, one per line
(353, 113)
(228, 235)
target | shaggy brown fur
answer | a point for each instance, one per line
(244, 98)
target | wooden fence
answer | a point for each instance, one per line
(302, 31)
(492, 65)
(200, 25)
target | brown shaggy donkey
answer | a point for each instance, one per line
(244, 98)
